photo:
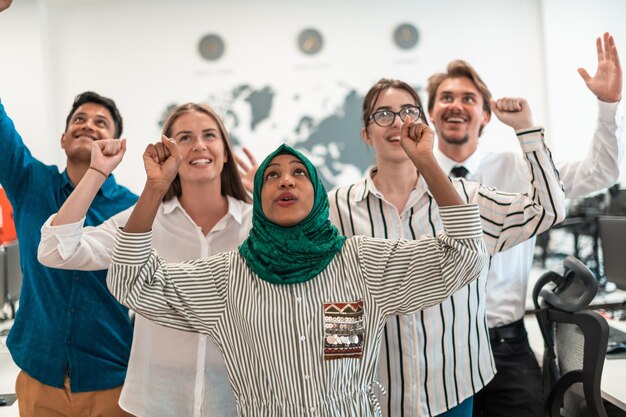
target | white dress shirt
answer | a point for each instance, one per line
(279, 341)
(507, 283)
(170, 372)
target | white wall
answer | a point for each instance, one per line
(143, 53)
(24, 89)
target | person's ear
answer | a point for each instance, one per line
(365, 136)
(63, 140)
(486, 118)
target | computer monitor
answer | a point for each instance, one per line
(13, 271)
(10, 277)
(617, 203)
(612, 234)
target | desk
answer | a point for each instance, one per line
(8, 374)
(613, 387)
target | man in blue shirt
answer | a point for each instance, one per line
(70, 338)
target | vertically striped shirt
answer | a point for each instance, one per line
(433, 360)
(277, 339)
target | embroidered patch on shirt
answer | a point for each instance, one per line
(343, 330)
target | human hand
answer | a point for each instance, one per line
(247, 170)
(513, 111)
(417, 140)
(4, 4)
(161, 161)
(606, 84)
(106, 154)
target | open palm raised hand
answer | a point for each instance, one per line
(247, 170)
(606, 84)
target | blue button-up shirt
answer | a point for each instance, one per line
(67, 321)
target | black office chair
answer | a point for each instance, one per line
(575, 341)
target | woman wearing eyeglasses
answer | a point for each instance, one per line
(432, 362)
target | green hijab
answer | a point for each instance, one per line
(294, 254)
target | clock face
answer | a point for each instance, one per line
(406, 36)
(211, 47)
(310, 41)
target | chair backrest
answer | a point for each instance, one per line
(579, 345)
(575, 344)
(572, 291)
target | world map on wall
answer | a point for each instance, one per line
(325, 130)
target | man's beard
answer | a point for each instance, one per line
(454, 141)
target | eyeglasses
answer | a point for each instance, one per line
(384, 118)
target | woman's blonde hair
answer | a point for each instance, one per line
(230, 179)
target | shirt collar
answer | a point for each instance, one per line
(66, 180)
(472, 163)
(235, 207)
(366, 186)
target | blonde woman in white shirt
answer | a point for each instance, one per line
(205, 211)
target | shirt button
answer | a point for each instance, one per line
(312, 409)
(69, 342)
(298, 299)
(302, 338)
(306, 377)
(76, 278)
(72, 310)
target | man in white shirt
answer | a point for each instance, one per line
(459, 106)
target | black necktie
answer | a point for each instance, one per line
(459, 172)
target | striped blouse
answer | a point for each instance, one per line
(307, 349)
(433, 360)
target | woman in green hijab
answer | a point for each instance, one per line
(298, 310)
